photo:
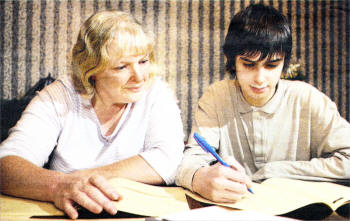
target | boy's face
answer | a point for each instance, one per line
(258, 79)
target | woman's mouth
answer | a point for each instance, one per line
(134, 88)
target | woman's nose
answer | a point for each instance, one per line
(137, 73)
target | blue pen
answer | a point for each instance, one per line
(205, 146)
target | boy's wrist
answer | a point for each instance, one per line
(196, 180)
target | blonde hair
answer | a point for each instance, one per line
(90, 53)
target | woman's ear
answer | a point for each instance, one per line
(92, 80)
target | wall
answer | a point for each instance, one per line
(37, 36)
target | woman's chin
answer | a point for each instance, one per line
(135, 96)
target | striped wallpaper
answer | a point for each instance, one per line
(37, 37)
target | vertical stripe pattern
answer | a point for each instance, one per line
(29, 41)
(2, 43)
(347, 59)
(189, 65)
(15, 9)
(42, 45)
(38, 37)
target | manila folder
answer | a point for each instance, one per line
(149, 200)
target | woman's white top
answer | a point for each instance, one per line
(60, 121)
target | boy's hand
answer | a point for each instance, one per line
(220, 183)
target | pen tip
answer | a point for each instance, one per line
(250, 190)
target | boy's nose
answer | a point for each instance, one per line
(260, 75)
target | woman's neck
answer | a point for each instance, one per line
(108, 115)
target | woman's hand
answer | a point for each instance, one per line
(220, 183)
(92, 192)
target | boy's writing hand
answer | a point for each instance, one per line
(220, 183)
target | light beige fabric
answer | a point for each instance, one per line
(297, 134)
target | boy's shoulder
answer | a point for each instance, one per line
(222, 86)
(296, 84)
(219, 93)
(302, 91)
(299, 87)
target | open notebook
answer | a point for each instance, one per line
(275, 196)
(220, 213)
(292, 198)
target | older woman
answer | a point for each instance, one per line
(112, 117)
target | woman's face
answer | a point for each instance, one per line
(124, 80)
(258, 79)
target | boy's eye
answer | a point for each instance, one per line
(271, 65)
(248, 64)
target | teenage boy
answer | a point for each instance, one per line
(263, 126)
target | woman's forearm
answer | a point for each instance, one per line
(21, 178)
(134, 168)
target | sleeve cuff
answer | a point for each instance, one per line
(161, 164)
(185, 177)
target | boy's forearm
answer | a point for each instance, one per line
(334, 168)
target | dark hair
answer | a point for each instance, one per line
(258, 29)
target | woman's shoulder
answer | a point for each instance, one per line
(61, 93)
(159, 92)
(159, 84)
(62, 83)
(160, 88)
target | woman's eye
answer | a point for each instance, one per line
(120, 67)
(143, 61)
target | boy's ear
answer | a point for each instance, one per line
(233, 70)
